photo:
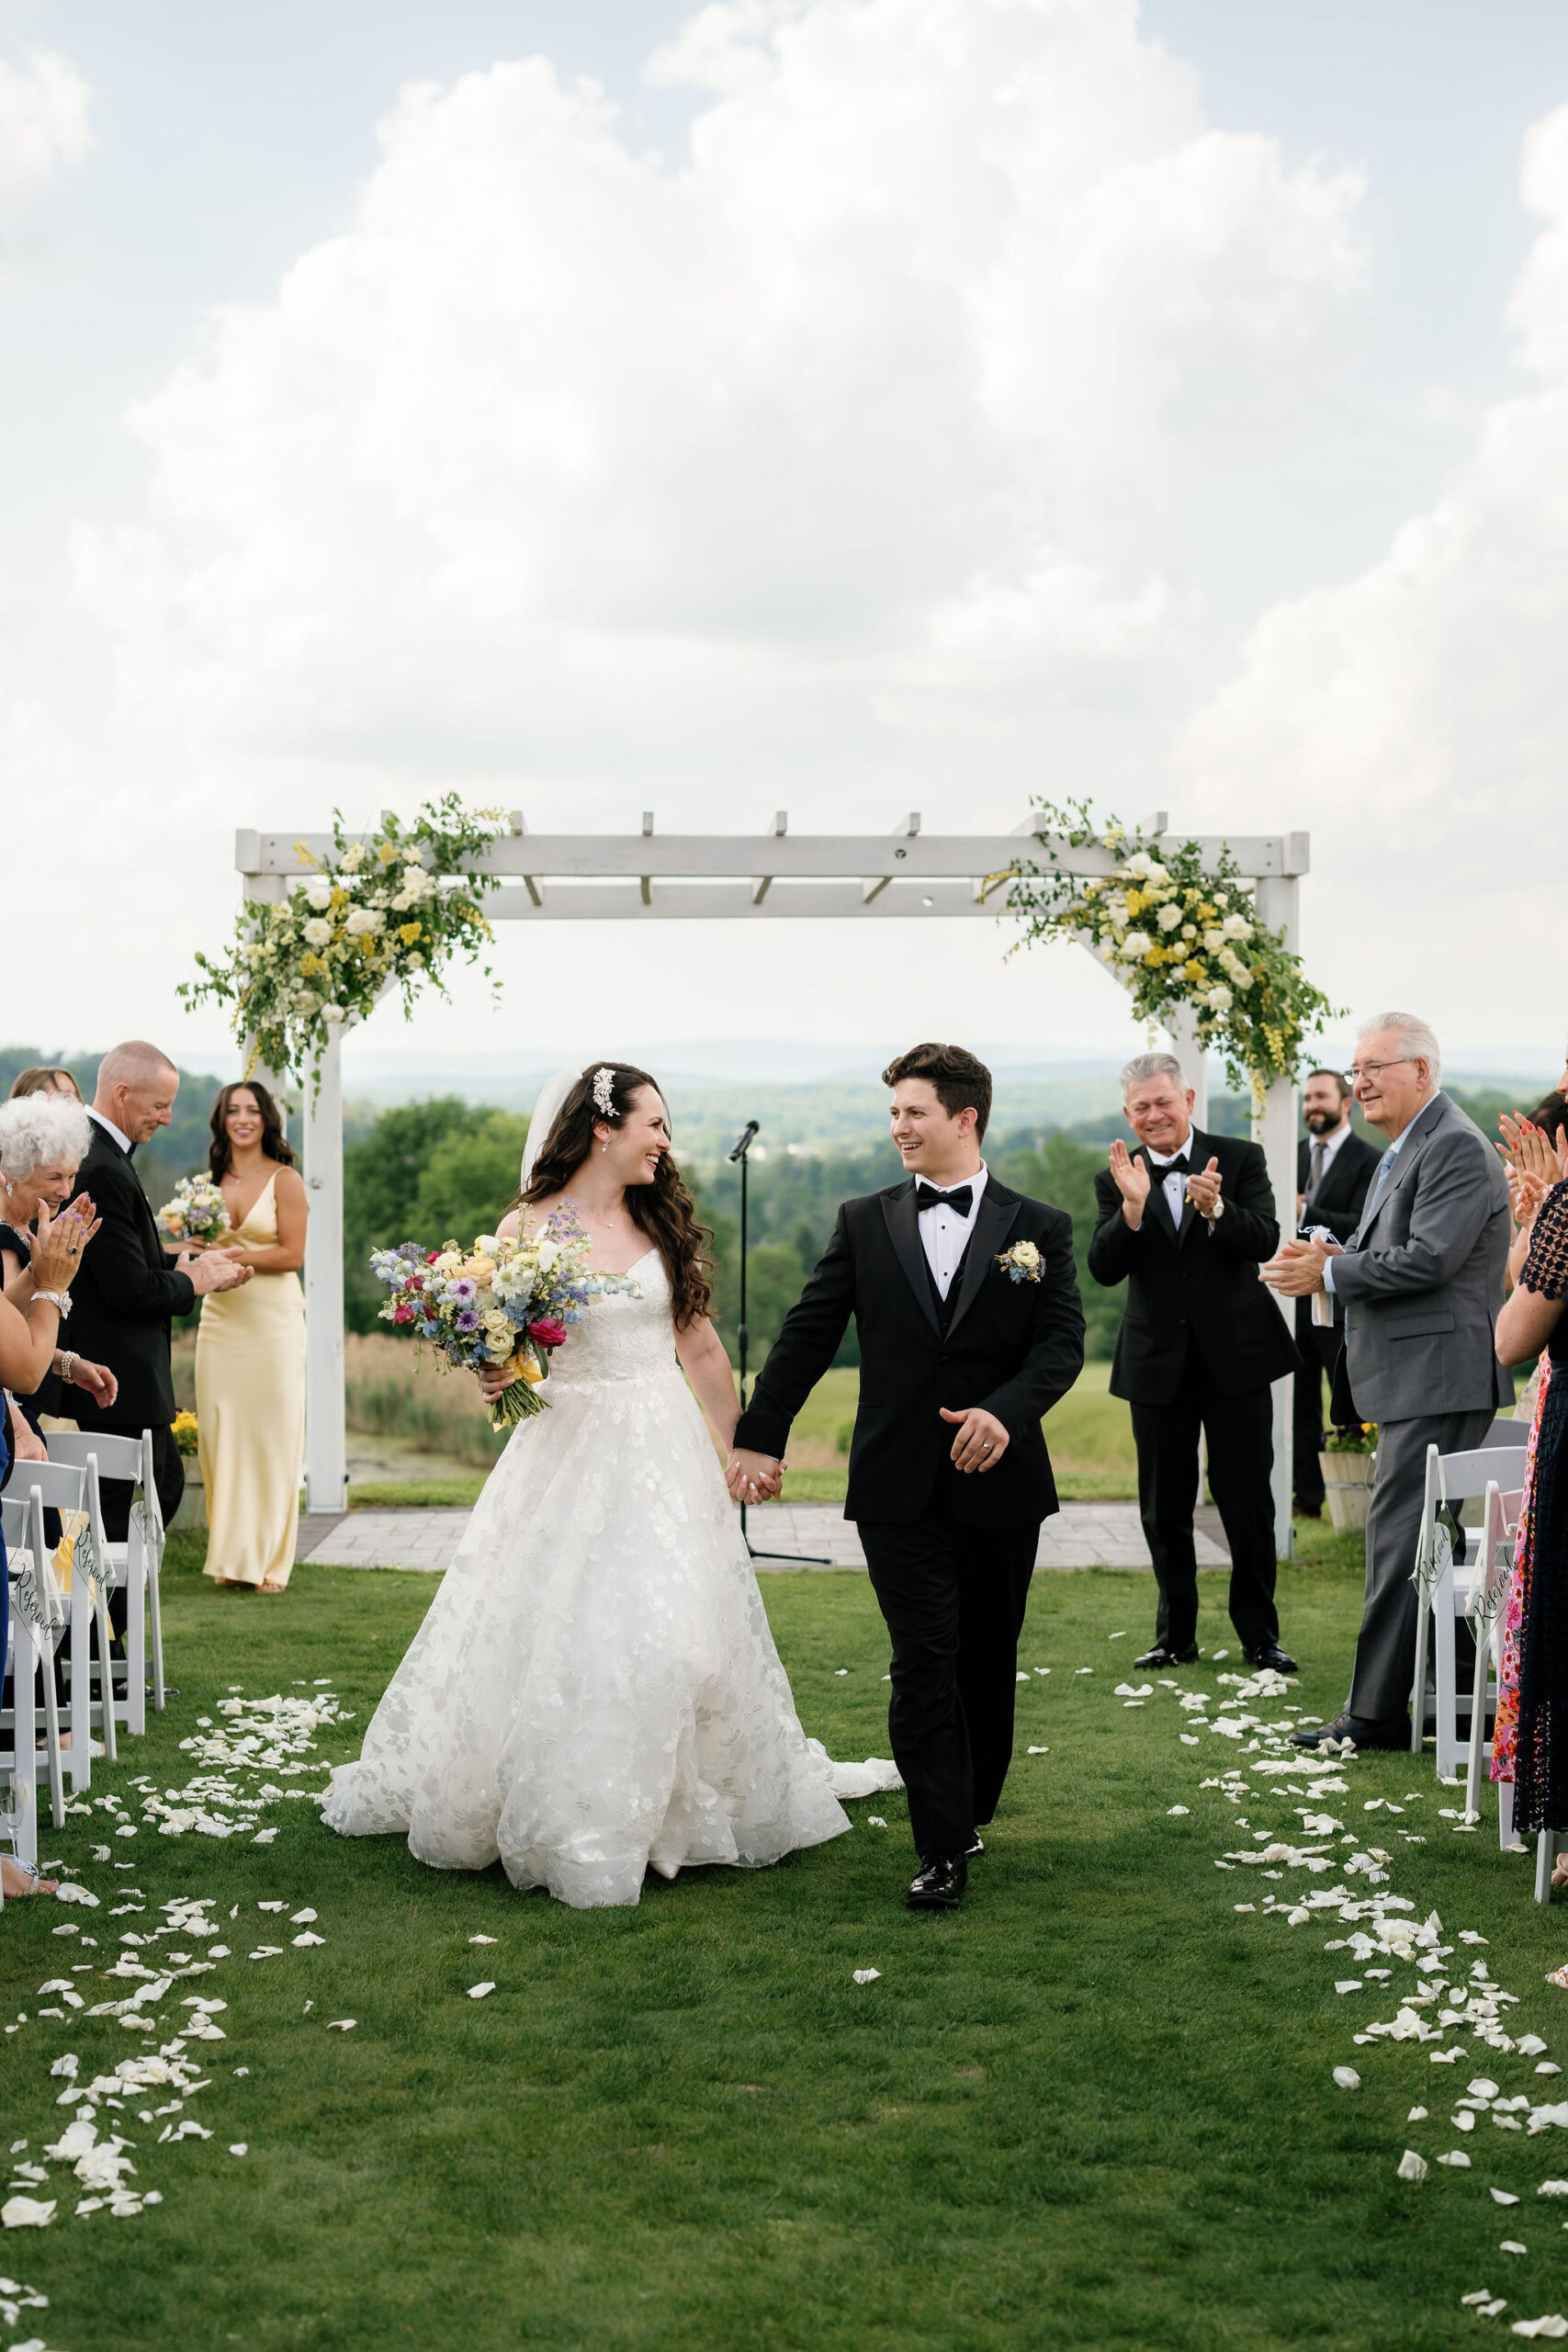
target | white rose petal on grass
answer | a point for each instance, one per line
(481, 1939)
(1411, 2167)
(1503, 2197)
(342, 2025)
(1457, 2158)
(1348, 2078)
(875, 1821)
(1513, 2246)
(478, 1991)
(866, 1975)
(1546, 2067)
(301, 1918)
(1548, 2324)
(1417, 2115)
(1553, 2188)
(309, 1939)
(27, 2212)
(1034, 1751)
(1347, 1984)
(1172, 1810)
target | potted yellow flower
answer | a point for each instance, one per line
(192, 1511)
(1349, 1461)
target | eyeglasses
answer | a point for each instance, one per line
(1358, 1070)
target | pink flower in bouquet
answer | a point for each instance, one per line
(402, 1315)
(548, 1333)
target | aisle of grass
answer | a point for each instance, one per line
(1092, 2109)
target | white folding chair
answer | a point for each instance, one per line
(135, 1563)
(59, 1485)
(1444, 1590)
(38, 1620)
(1487, 1606)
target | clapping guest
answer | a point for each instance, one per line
(43, 1138)
(250, 1351)
(29, 1337)
(1184, 1221)
(1421, 1281)
(126, 1297)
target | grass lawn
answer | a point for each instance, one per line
(1094, 2109)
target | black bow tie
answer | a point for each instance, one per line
(1180, 1166)
(961, 1199)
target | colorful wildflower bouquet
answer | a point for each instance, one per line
(509, 1303)
(196, 1214)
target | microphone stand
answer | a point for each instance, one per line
(742, 1153)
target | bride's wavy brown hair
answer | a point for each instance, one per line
(664, 1210)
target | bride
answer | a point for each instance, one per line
(595, 1690)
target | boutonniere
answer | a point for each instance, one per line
(1022, 1262)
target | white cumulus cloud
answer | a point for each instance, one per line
(888, 395)
(1419, 711)
(43, 124)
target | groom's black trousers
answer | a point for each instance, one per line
(954, 1598)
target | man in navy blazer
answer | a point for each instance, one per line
(1185, 1221)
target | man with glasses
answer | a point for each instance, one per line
(1333, 1170)
(1421, 1283)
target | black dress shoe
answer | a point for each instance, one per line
(976, 1847)
(1392, 1733)
(1270, 1653)
(1160, 1656)
(939, 1884)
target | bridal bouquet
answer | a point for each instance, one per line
(196, 1214)
(509, 1303)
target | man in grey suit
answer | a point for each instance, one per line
(1421, 1283)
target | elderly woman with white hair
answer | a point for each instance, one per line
(43, 1138)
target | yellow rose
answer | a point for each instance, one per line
(409, 931)
(482, 1268)
(1192, 969)
(1156, 955)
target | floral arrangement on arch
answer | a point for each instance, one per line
(1178, 932)
(386, 911)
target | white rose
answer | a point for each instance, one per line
(1170, 917)
(1139, 865)
(1155, 870)
(548, 1251)
(332, 1014)
(1218, 999)
(364, 921)
(1189, 931)
(319, 891)
(353, 856)
(318, 933)
(1136, 943)
(1229, 961)
(1212, 941)
(1236, 927)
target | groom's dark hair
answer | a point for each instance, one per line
(961, 1080)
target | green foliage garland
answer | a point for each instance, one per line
(1175, 932)
(388, 910)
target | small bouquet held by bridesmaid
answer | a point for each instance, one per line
(509, 1303)
(196, 1214)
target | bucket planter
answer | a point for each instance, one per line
(192, 1511)
(1348, 1483)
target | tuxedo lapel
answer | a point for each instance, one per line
(904, 1232)
(993, 1223)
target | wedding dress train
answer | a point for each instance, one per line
(595, 1688)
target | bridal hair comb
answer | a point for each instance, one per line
(604, 1092)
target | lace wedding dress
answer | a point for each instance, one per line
(596, 1690)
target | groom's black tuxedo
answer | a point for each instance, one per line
(1014, 1348)
(951, 1555)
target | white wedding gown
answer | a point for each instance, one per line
(596, 1690)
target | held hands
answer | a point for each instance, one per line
(214, 1270)
(1203, 1191)
(1297, 1272)
(1132, 1181)
(982, 1440)
(754, 1477)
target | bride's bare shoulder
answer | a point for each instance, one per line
(510, 1226)
(535, 1213)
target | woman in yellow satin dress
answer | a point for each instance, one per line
(250, 1351)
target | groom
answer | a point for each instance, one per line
(970, 1329)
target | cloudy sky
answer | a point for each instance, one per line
(843, 405)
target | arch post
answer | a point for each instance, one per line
(326, 1436)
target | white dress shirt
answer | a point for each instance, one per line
(1173, 1186)
(110, 1128)
(944, 1235)
(1331, 1146)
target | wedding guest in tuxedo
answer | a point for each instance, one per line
(250, 1351)
(45, 1077)
(1334, 1168)
(1185, 1221)
(971, 1327)
(1421, 1283)
(127, 1293)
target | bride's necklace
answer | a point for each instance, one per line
(616, 1223)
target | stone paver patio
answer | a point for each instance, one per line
(1082, 1536)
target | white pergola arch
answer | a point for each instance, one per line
(906, 875)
